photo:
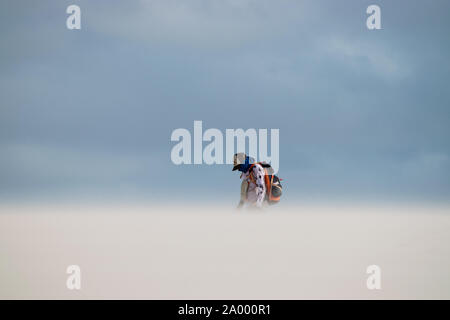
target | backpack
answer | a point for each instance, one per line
(272, 182)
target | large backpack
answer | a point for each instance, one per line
(272, 182)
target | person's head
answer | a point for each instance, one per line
(241, 162)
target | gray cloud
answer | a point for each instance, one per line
(361, 113)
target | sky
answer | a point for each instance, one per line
(88, 114)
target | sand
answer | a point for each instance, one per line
(156, 252)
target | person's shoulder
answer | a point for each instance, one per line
(258, 167)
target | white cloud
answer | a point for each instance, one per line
(199, 23)
(382, 60)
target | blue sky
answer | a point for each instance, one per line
(363, 115)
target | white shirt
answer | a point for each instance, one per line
(256, 191)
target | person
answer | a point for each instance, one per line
(253, 188)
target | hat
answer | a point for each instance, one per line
(241, 158)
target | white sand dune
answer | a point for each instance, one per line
(143, 252)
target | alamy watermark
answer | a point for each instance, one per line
(73, 21)
(213, 152)
(74, 279)
(374, 280)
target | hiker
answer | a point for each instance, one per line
(259, 183)
(253, 189)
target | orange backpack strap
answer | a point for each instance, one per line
(250, 173)
(268, 183)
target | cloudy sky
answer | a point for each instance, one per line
(88, 114)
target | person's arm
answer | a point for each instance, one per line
(258, 173)
(244, 188)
